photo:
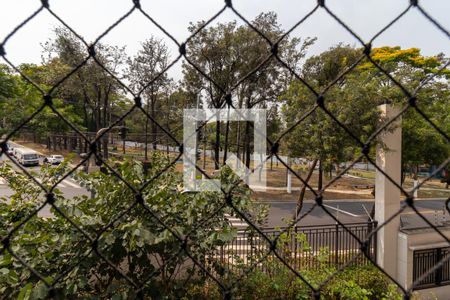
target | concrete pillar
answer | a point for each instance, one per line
(387, 195)
(289, 182)
(416, 192)
(405, 261)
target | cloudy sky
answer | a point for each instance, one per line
(91, 17)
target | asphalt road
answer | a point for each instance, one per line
(69, 187)
(343, 211)
(346, 211)
(355, 211)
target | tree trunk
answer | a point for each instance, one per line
(402, 175)
(98, 126)
(416, 172)
(217, 146)
(247, 144)
(86, 119)
(301, 196)
(225, 149)
(372, 213)
(105, 124)
(146, 133)
(154, 127)
(85, 145)
(319, 183)
(238, 140)
(238, 134)
(247, 134)
(204, 149)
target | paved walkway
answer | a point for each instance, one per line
(282, 188)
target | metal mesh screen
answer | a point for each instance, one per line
(411, 103)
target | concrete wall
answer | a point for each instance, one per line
(419, 239)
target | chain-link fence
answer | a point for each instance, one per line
(186, 243)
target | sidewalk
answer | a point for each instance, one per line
(273, 188)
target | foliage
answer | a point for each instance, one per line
(140, 245)
(350, 99)
(146, 67)
(21, 99)
(7, 83)
(136, 242)
(391, 57)
(353, 100)
(91, 89)
(228, 53)
(271, 279)
(429, 79)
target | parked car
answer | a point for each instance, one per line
(54, 159)
(10, 149)
(26, 157)
(14, 153)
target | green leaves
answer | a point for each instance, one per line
(4, 271)
(353, 100)
(25, 292)
(40, 291)
(137, 243)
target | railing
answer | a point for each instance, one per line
(425, 262)
(304, 246)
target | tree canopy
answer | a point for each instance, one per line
(353, 98)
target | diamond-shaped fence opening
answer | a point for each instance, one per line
(136, 233)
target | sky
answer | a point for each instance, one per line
(90, 18)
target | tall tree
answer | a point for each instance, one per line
(146, 66)
(19, 99)
(8, 90)
(421, 143)
(318, 137)
(91, 89)
(228, 53)
(348, 99)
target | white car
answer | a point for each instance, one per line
(54, 159)
(10, 150)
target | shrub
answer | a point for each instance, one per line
(111, 240)
(271, 279)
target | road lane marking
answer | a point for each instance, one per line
(71, 184)
(437, 211)
(59, 185)
(236, 222)
(343, 211)
(63, 184)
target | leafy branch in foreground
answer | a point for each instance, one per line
(147, 250)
